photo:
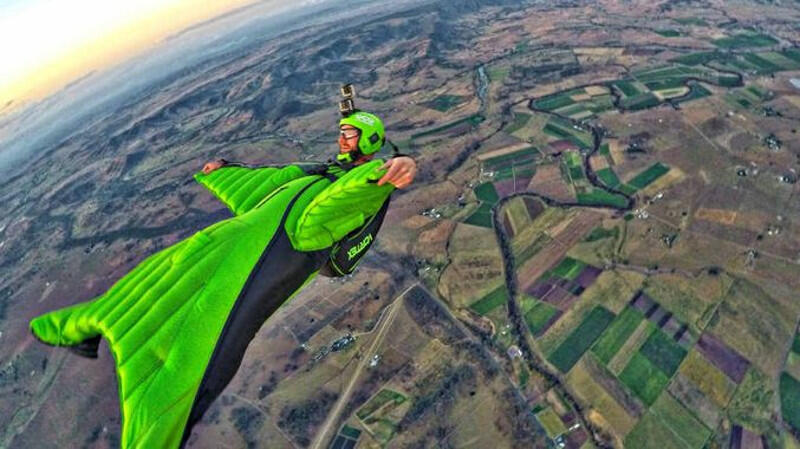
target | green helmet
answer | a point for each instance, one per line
(372, 135)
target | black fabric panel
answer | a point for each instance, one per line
(339, 262)
(279, 272)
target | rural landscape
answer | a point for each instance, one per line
(601, 248)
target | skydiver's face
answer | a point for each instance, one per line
(348, 138)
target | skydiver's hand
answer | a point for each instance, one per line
(401, 172)
(211, 166)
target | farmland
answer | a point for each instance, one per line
(604, 219)
(581, 339)
(617, 334)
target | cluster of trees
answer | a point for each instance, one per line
(300, 420)
(457, 380)
(431, 316)
(248, 421)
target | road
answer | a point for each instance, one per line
(344, 398)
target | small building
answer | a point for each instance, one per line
(343, 343)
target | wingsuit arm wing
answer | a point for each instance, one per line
(242, 188)
(344, 206)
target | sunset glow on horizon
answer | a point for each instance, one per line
(45, 44)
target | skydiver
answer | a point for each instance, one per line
(179, 323)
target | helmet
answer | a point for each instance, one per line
(371, 138)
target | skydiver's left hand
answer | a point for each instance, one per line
(401, 171)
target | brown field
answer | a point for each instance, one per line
(688, 300)
(617, 151)
(598, 162)
(503, 151)
(432, 242)
(728, 361)
(708, 379)
(597, 253)
(596, 90)
(756, 324)
(598, 51)
(564, 238)
(476, 266)
(548, 182)
(722, 216)
(687, 392)
(584, 383)
(613, 289)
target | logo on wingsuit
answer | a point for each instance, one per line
(353, 252)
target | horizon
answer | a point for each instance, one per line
(51, 45)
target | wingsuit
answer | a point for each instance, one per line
(179, 323)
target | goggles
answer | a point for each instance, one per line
(349, 133)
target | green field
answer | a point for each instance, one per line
(378, 401)
(563, 129)
(574, 165)
(691, 21)
(520, 120)
(568, 268)
(571, 350)
(598, 197)
(521, 156)
(551, 423)
(668, 33)
(663, 84)
(486, 193)
(697, 58)
(626, 189)
(600, 233)
(554, 101)
(444, 103)
(639, 102)
(538, 316)
(474, 120)
(792, 53)
(668, 425)
(556, 131)
(644, 378)
(664, 352)
(745, 40)
(790, 400)
(681, 421)
(651, 433)
(481, 217)
(491, 301)
(628, 88)
(351, 432)
(617, 334)
(697, 91)
(764, 66)
(573, 109)
(608, 177)
(600, 103)
(646, 177)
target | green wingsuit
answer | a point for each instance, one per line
(178, 324)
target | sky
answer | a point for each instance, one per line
(45, 44)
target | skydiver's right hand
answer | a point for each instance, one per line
(211, 166)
